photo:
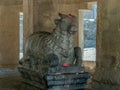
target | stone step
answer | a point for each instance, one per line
(69, 87)
(67, 82)
(71, 69)
(68, 76)
(40, 85)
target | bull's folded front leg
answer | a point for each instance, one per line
(78, 56)
(53, 59)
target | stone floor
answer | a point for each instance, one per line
(9, 79)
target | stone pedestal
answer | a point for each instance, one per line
(107, 74)
(33, 80)
(67, 78)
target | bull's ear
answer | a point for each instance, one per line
(62, 15)
(56, 21)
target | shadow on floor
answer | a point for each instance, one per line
(10, 79)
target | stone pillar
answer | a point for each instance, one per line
(107, 74)
(81, 30)
(9, 33)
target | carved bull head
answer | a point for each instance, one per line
(67, 23)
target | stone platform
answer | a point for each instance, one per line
(67, 78)
(57, 78)
(32, 80)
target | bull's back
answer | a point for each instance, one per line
(36, 44)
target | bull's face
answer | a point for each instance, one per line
(67, 23)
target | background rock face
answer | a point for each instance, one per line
(107, 75)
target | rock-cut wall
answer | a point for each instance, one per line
(107, 74)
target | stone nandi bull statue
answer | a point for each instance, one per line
(56, 48)
(44, 52)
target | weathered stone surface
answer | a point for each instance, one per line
(70, 69)
(29, 87)
(33, 79)
(12, 2)
(107, 74)
(69, 87)
(66, 82)
(9, 34)
(68, 76)
(10, 79)
(69, 80)
(103, 86)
